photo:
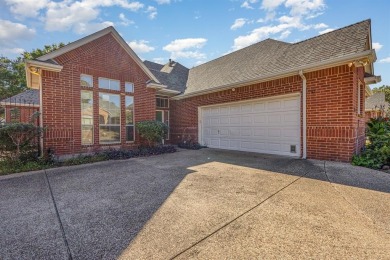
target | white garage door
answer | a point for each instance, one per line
(266, 126)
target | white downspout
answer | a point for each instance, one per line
(304, 123)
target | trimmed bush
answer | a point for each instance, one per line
(152, 131)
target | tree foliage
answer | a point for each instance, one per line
(385, 89)
(12, 71)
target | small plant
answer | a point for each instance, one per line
(189, 144)
(152, 131)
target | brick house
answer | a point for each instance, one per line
(376, 106)
(22, 107)
(303, 99)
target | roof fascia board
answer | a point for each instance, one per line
(95, 36)
(44, 65)
(154, 85)
(168, 92)
(370, 54)
(18, 104)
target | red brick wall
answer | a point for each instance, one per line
(332, 119)
(103, 57)
(25, 114)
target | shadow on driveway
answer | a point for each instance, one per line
(104, 206)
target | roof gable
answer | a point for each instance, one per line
(173, 74)
(109, 30)
(271, 58)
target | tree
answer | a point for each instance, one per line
(12, 71)
(385, 89)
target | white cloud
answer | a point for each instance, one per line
(124, 20)
(320, 26)
(271, 4)
(26, 8)
(159, 60)
(247, 4)
(284, 35)
(152, 12)
(238, 23)
(16, 51)
(326, 30)
(186, 48)
(77, 15)
(11, 33)
(140, 46)
(377, 46)
(385, 60)
(281, 27)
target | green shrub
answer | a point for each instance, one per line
(152, 131)
(19, 140)
(377, 151)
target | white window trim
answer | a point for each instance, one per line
(93, 128)
(109, 84)
(87, 76)
(120, 120)
(133, 121)
(167, 107)
(127, 82)
(359, 112)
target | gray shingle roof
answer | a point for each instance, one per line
(269, 57)
(28, 97)
(376, 101)
(173, 74)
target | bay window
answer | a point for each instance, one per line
(86, 117)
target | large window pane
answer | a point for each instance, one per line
(86, 117)
(114, 85)
(109, 118)
(109, 134)
(129, 87)
(86, 81)
(86, 134)
(129, 114)
(109, 84)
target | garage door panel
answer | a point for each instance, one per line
(245, 132)
(274, 132)
(291, 104)
(274, 105)
(259, 107)
(266, 126)
(236, 120)
(246, 108)
(260, 118)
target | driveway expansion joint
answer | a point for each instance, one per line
(238, 217)
(58, 217)
(344, 198)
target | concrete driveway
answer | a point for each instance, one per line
(206, 204)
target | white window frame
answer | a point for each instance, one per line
(120, 120)
(93, 128)
(163, 98)
(132, 84)
(133, 125)
(359, 112)
(89, 76)
(109, 84)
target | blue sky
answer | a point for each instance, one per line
(189, 31)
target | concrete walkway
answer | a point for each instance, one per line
(206, 204)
